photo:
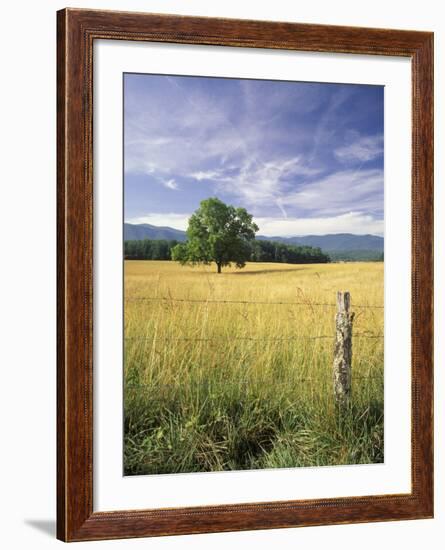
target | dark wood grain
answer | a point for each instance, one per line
(76, 32)
(62, 364)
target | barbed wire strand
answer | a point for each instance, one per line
(244, 302)
(249, 338)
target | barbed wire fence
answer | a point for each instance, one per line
(167, 299)
(342, 338)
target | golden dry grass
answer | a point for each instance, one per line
(222, 371)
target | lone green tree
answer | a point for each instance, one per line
(217, 232)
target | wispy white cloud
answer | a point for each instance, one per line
(258, 183)
(341, 192)
(266, 182)
(209, 175)
(326, 124)
(170, 184)
(361, 149)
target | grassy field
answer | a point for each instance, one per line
(229, 386)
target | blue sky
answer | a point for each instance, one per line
(303, 158)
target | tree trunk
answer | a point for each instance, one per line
(219, 267)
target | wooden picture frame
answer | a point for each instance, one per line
(76, 32)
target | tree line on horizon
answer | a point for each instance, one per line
(260, 251)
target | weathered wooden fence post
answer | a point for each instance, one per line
(343, 349)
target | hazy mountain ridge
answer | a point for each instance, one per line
(138, 232)
(334, 242)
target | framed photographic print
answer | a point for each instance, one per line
(245, 229)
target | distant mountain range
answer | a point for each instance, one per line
(133, 232)
(339, 246)
(334, 243)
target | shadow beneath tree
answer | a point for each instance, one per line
(262, 271)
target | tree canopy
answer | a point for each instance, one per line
(218, 233)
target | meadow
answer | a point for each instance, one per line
(233, 371)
